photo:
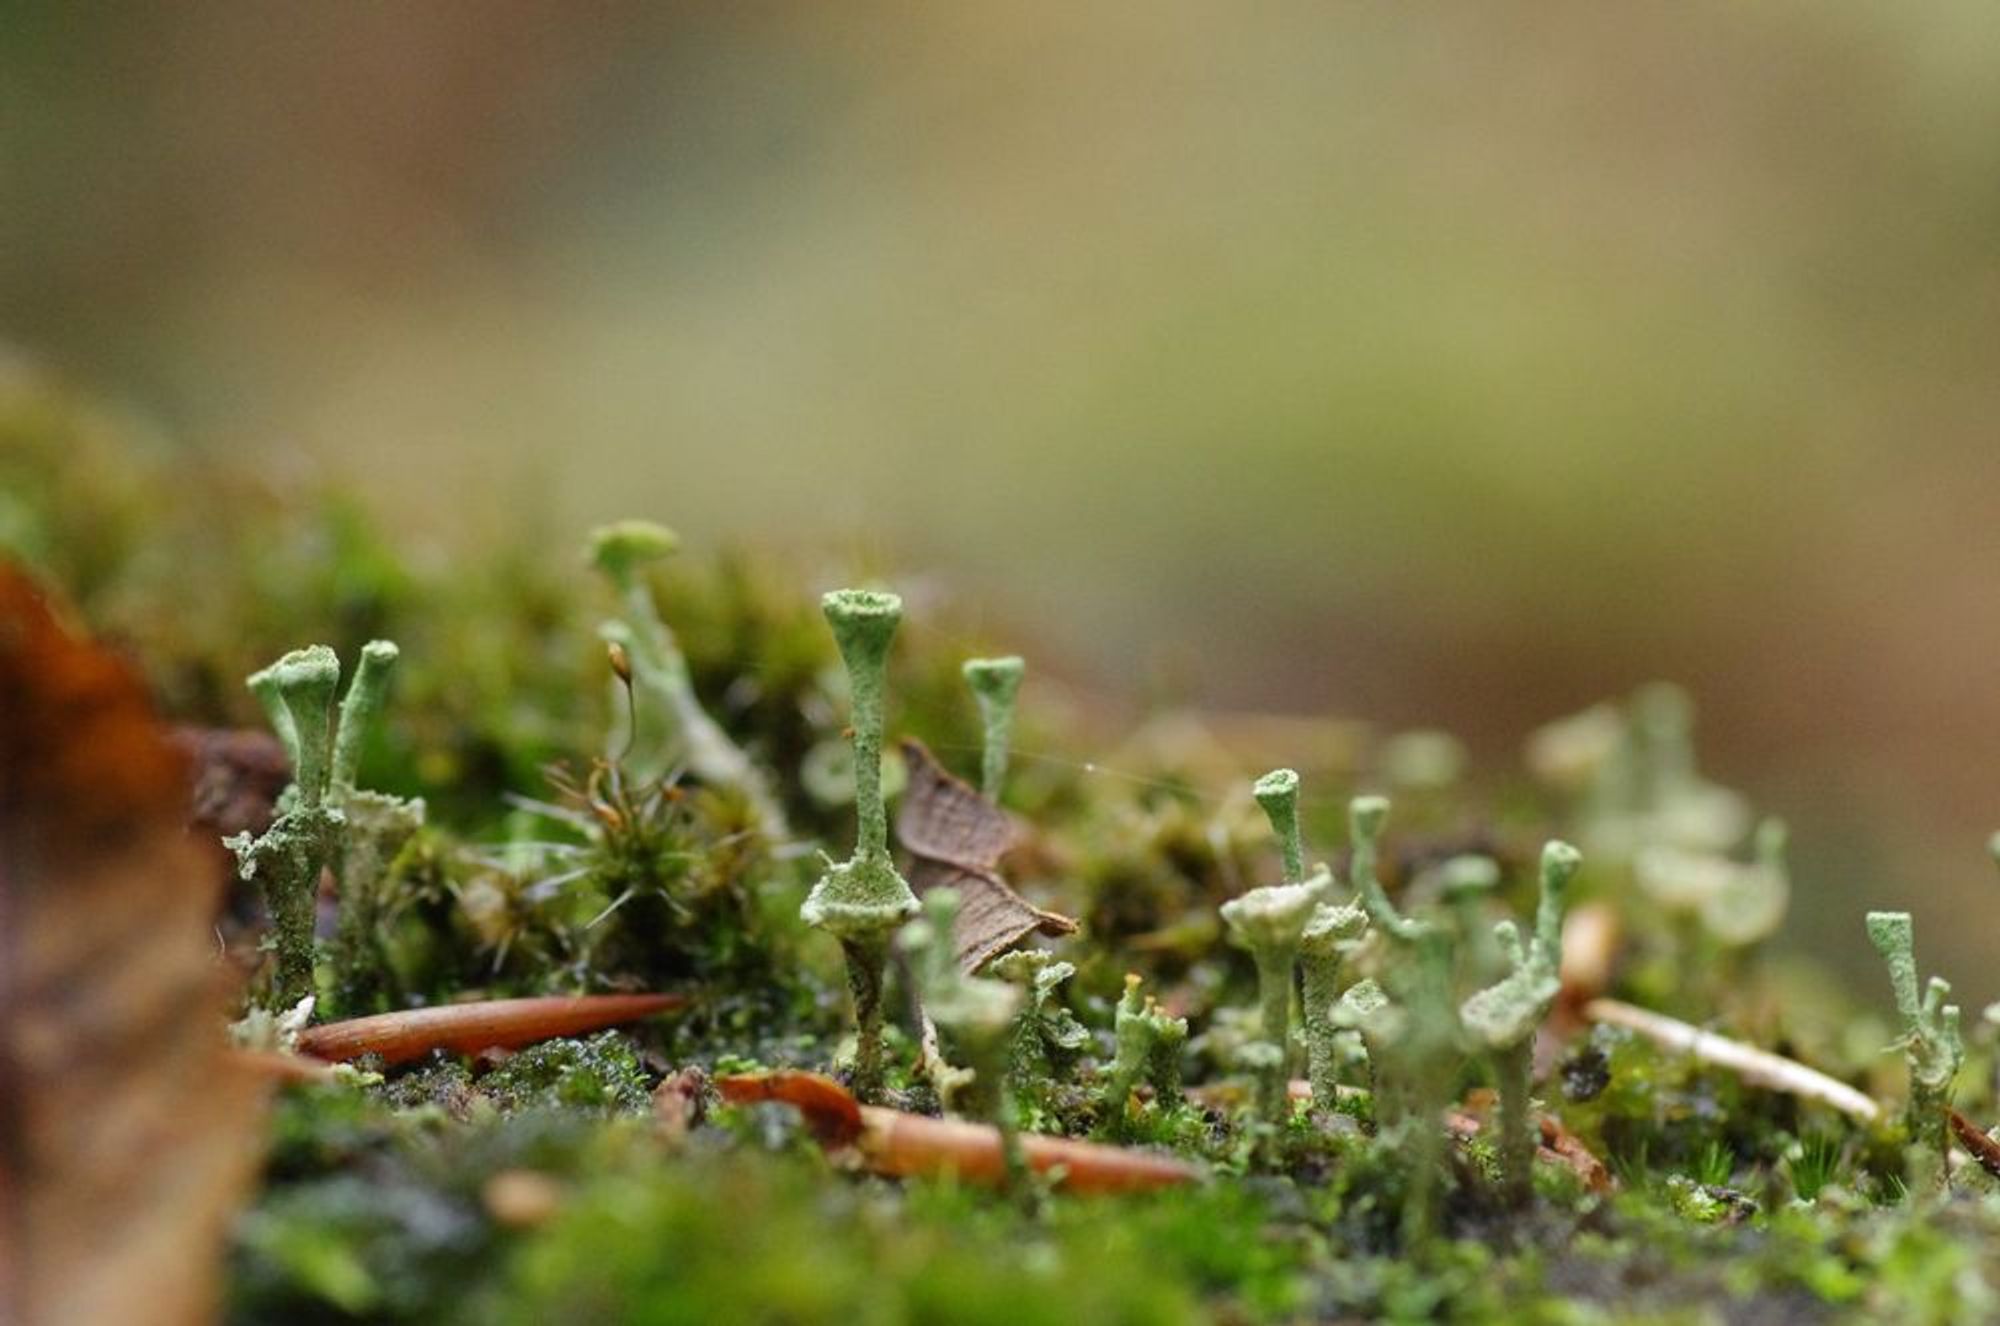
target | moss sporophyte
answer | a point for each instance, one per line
(673, 728)
(861, 901)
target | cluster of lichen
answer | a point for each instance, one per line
(1737, 1201)
(325, 821)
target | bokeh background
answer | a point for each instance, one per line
(1443, 365)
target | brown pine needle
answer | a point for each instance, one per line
(472, 1027)
(912, 1145)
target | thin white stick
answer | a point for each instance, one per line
(1758, 1067)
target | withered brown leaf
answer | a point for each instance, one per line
(130, 1136)
(956, 838)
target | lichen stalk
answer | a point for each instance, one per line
(1931, 1040)
(995, 683)
(1278, 793)
(861, 901)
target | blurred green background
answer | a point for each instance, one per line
(1442, 365)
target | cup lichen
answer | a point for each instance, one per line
(286, 859)
(1931, 1041)
(862, 901)
(1504, 1017)
(995, 683)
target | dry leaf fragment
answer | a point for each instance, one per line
(913, 1145)
(471, 1027)
(956, 838)
(131, 1135)
(1974, 1139)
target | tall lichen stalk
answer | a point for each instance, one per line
(861, 901)
(1329, 932)
(324, 821)
(377, 827)
(1931, 1041)
(285, 860)
(1414, 1039)
(1270, 922)
(995, 683)
(1148, 1044)
(1505, 1016)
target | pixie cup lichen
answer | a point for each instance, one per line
(1270, 921)
(1324, 945)
(324, 820)
(1148, 1045)
(1277, 792)
(1413, 1067)
(1931, 1042)
(286, 859)
(1504, 1017)
(377, 827)
(862, 900)
(995, 683)
(1329, 932)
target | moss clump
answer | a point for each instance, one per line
(598, 1075)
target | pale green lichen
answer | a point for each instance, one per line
(360, 707)
(1321, 945)
(324, 821)
(1148, 1044)
(1270, 921)
(995, 683)
(672, 729)
(286, 859)
(861, 901)
(377, 827)
(1413, 1044)
(1504, 1017)
(1047, 1035)
(1931, 1043)
(1329, 937)
(1635, 778)
(976, 1016)
(1278, 793)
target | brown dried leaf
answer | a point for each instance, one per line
(131, 1134)
(956, 838)
(482, 1025)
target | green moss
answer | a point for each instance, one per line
(599, 1075)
